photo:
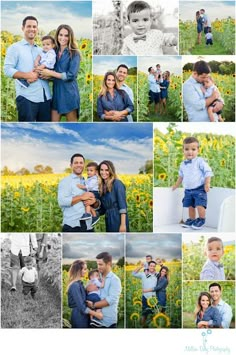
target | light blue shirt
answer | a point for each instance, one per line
(194, 101)
(67, 189)
(153, 83)
(212, 270)
(128, 90)
(92, 183)
(111, 293)
(20, 57)
(194, 173)
(225, 313)
(147, 282)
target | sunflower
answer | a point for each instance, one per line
(178, 303)
(137, 303)
(83, 46)
(162, 176)
(152, 302)
(158, 320)
(25, 209)
(134, 316)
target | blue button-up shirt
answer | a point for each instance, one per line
(225, 313)
(119, 102)
(153, 86)
(212, 316)
(111, 293)
(68, 189)
(194, 173)
(147, 282)
(128, 90)
(212, 270)
(20, 57)
(194, 101)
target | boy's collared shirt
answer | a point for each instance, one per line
(149, 282)
(27, 275)
(20, 57)
(212, 270)
(194, 172)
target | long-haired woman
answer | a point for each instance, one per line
(113, 104)
(66, 98)
(77, 296)
(113, 198)
(206, 316)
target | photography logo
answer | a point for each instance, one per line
(207, 347)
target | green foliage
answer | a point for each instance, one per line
(218, 150)
(174, 104)
(9, 112)
(194, 259)
(191, 291)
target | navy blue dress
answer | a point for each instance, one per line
(160, 290)
(76, 301)
(66, 96)
(113, 204)
(121, 101)
(164, 92)
(200, 21)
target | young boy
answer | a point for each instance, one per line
(47, 59)
(143, 40)
(195, 174)
(91, 185)
(209, 37)
(94, 296)
(29, 277)
(146, 264)
(158, 70)
(207, 89)
(212, 269)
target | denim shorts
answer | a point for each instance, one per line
(195, 197)
(153, 97)
(17, 261)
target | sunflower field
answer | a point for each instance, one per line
(131, 81)
(29, 203)
(226, 87)
(194, 259)
(191, 291)
(217, 149)
(9, 113)
(119, 271)
(156, 319)
(174, 101)
(223, 36)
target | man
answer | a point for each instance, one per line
(206, 22)
(121, 75)
(149, 280)
(194, 101)
(33, 102)
(20, 248)
(110, 293)
(223, 307)
(71, 199)
(154, 90)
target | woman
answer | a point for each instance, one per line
(160, 288)
(113, 198)
(113, 104)
(77, 296)
(206, 315)
(200, 21)
(66, 98)
(164, 91)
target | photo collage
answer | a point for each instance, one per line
(118, 231)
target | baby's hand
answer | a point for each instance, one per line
(171, 40)
(207, 187)
(80, 186)
(174, 187)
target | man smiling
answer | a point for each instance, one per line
(33, 102)
(223, 307)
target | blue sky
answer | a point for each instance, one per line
(216, 9)
(226, 128)
(171, 63)
(50, 15)
(86, 247)
(167, 246)
(102, 64)
(25, 145)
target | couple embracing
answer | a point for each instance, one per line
(95, 306)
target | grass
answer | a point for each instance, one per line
(156, 117)
(20, 312)
(215, 49)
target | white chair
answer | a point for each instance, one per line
(226, 221)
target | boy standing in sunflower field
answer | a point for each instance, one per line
(195, 174)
